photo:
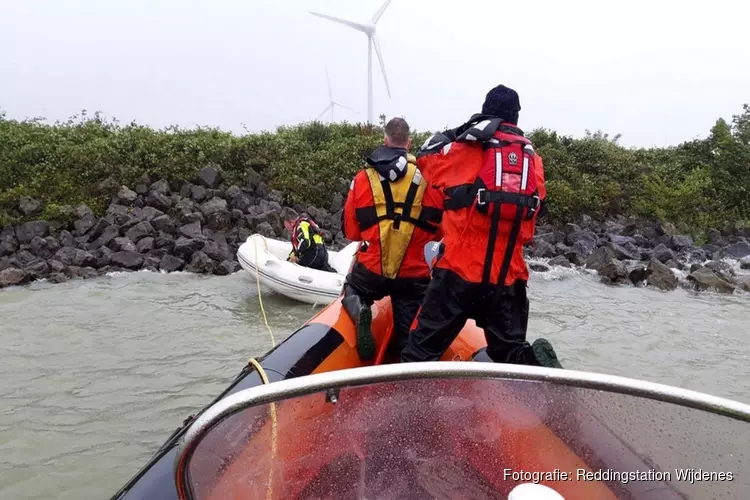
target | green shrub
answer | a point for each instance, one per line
(698, 184)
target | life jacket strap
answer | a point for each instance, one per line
(485, 196)
(427, 221)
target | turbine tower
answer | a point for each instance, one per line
(372, 40)
(331, 103)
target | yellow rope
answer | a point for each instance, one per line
(260, 299)
(254, 362)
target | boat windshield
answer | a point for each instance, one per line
(448, 430)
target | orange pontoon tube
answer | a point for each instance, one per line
(434, 437)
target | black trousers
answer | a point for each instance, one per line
(406, 296)
(502, 311)
(316, 257)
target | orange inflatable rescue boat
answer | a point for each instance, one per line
(310, 421)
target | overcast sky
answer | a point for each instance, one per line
(658, 72)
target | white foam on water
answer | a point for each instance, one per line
(556, 273)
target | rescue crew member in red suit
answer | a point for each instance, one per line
(394, 212)
(494, 189)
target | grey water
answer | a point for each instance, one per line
(95, 374)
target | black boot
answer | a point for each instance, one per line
(361, 315)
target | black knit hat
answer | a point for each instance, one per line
(502, 102)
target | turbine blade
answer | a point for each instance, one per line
(328, 80)
(351, 24)
(382, 64)
(324, 111)
(346, 108)
(380, 11)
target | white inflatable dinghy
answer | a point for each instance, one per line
(292, 280)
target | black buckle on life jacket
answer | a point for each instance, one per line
(480, 199)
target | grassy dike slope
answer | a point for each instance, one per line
(697, 185)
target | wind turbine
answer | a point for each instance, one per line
(332, 104)
(372, 40)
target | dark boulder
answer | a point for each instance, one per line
(103, 257)
(743, 283)
(663, 254)
(275, 196)
(660, 276)
(101, 225)
(145, 245)
(210, 177)
(149, 214)
(198, 193)
(587, 240)
(106, 237)
(227, 267)
(185, 247)
(70, 256)
(599, 258)
(24, 257)
(270, 218)
(540, 268)
(706, 279)
(542, 249)
(613, 228)
(714, 236)
(265, 229)
(642, 241)
(127, 260)
(9, 243)
(13, 276)
(29, 206)
(560, 261)
(191, 230)
(219, 221)
(125, 196)
(82, 226)
(200, 263)
(139, 231)
(576, 258)
(745, 263)
(190, 217)
(56, 266)
(613, 271)
(164, 240)
(151, 263)
(161, 187)
(43, 247)
(549, 238)
(165, 224)
(170, 264)
(185, 205)
(159, 201)
(26, 232)
(217, 250)
(337, 202)
(735, 250)
(122, 244)
(680, 242)
(57, 277)
(723, 269)
(627, 251)
(238, 199)
(673, 264)
(74, 272)
(37, 269)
